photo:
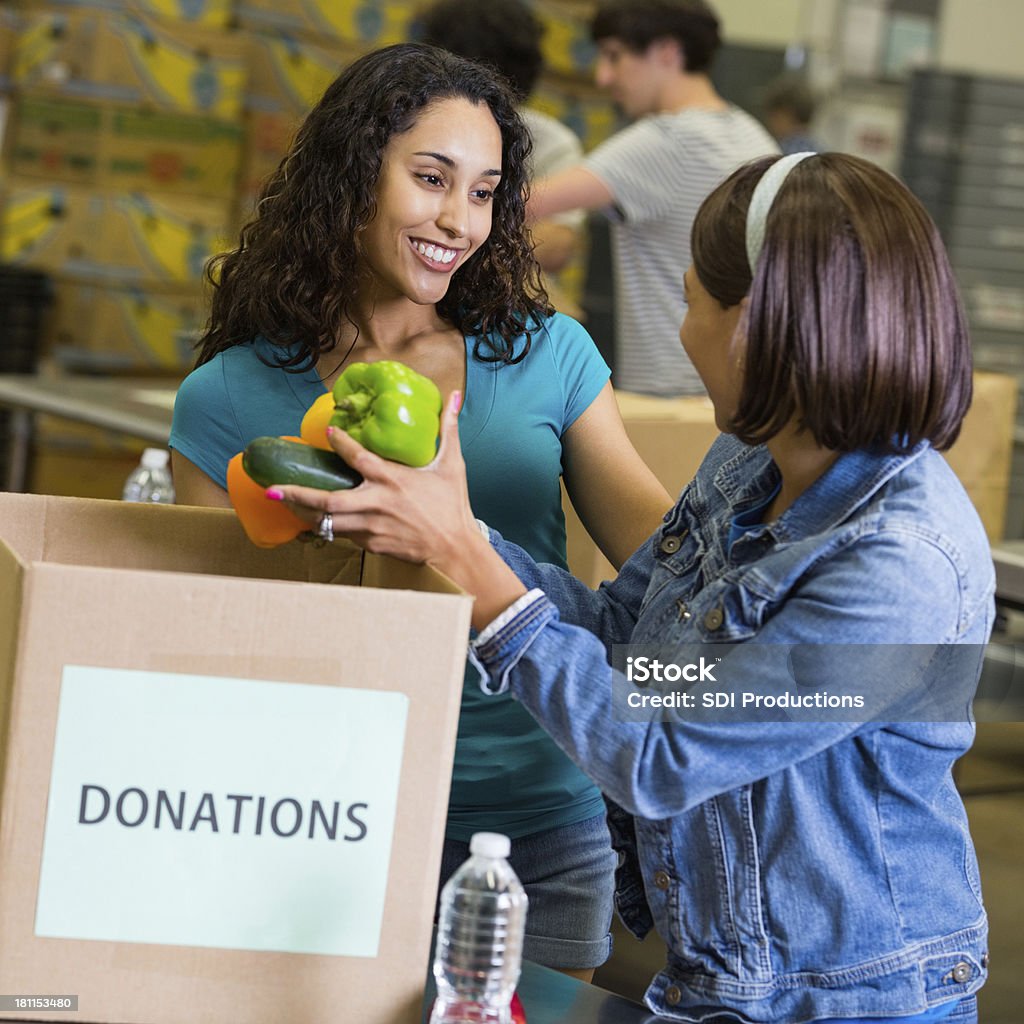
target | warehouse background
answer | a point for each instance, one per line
(135, 135)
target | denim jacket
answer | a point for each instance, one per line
(796, 871)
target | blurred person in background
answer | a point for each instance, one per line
(654, 58)
(506, 36)
(788, 105)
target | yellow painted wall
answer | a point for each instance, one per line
(982, 37)
(760, 22)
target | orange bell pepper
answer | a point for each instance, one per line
(266, 523)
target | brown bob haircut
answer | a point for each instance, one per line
(854, 327)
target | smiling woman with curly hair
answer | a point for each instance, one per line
(394, 229)
(296, 276)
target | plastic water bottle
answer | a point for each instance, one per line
(480, 929)
(150, 480)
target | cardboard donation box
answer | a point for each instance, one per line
(225, 769)
(672, 436)
(983, 452)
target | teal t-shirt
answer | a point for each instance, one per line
(509, 776)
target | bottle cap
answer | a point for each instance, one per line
(490, 844)
(155, 458)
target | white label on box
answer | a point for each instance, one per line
(211, 811)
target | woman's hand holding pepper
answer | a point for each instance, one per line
(418, 515)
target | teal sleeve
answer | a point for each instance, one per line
(581, 370)
(204, 428)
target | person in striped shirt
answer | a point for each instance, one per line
(653, 59)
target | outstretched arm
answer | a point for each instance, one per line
(424, 515)
(420, 515)
(618, 498)
(573, 189)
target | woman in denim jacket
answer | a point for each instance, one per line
(800, 868)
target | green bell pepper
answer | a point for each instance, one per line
(390, 409)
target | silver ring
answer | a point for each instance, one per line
(325, 531)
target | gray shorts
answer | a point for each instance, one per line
(569, 877)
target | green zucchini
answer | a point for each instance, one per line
(273, 461)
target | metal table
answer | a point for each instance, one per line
(552, 998)
(138, 407)
(1000, 695)
(1008, 556)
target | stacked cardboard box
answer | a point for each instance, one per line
(121, 168)
(8, 31)
(205, 13)
(567, 93)
(366, 25)
(568, 48)
(8, 34)
(296, 49)
(287, 76)
(123, 159)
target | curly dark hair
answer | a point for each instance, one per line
(503, 34)
(294, 276)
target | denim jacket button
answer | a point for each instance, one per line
(670, 545)
(984, 961)
(673, 996)
(661, 880)
(962, 972)
(714, 619)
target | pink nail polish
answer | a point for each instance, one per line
(456, 401)
(273, 494)
(330, 431)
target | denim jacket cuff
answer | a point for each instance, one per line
(500, 646)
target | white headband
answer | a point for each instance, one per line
(761, 202)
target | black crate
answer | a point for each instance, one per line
(25, 296)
